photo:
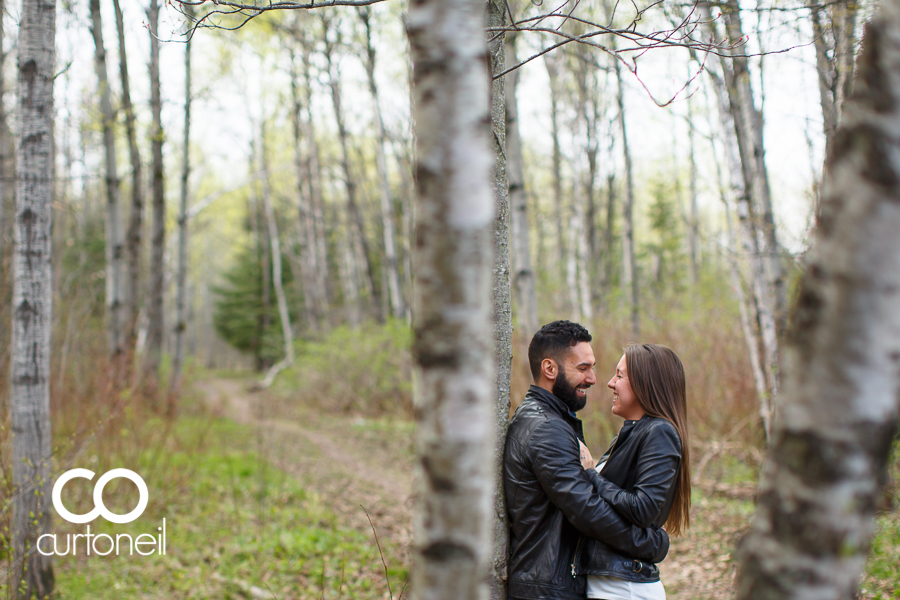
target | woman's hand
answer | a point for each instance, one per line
(587, 461)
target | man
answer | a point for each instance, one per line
(550, 497)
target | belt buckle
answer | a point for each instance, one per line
(637, 566)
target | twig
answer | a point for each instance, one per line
(377, 543)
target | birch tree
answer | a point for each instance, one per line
(158, 233)
(523, 274)
(838, 409)
(452, 300)
(135, 224)
(31, 572)
(114, 305)
(397, 303)
(183, 226)
(629, 267)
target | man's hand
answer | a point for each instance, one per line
(587, 461)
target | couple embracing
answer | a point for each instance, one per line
(580, 530)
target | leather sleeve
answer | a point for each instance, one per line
(556, 464)
(655, 471)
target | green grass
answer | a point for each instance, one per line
(233, 521)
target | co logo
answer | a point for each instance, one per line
(99, 508)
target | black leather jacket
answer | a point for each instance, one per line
(639, 481)
(551, 501)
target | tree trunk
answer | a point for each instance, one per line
(693, 222)
(7, 166)
(353, 209)
(181, 273)
(552, 63)
(501, 297)
(397, 302)
(158, 233)
(764, 303)
(629, 268)
(838, 409)
(523, 277)
(32, 573)
(452, 315)
(749, 128)
(275, 249)
(307, 259)
(135, 224)
(315, 194)
(114, 305)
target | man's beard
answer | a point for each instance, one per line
(563, 390)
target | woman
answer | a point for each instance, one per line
(645, 473)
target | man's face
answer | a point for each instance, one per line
(576, 375)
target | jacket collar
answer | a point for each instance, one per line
(548, 399)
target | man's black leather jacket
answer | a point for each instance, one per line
(552, 501)
(639, 481)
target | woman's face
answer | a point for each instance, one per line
(624, 402)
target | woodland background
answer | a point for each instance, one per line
(233, 254)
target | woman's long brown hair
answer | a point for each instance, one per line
(657, 379)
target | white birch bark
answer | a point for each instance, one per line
(455, 219)
(315, 194)
(31, 573)
(353, 209)
(183, 228)
(523, 274)
(134, 249)
(763, 303)
(114, 304)
(305, 224)
(552, 63)
(838, 409)
(395, 292)
(277, 278)
(629, 268)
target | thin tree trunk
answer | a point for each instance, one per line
(740, 177)
(307, 259)
(29, 401)
(275, 249)
(737, 78)
(397, 302)
(181, 273)
(838, 410)
(353, 208)
(315, 194)
(629, 268)
(7, 166)
(552, 62)
(501, 297)
(158, 233)
(523, 275)
(693, 224)
(452, 315)
(135, 224)
(114, 305)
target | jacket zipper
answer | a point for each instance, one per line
(575, 558)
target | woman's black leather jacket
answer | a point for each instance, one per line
(551, 501)
(639, 481)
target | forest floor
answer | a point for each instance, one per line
(358, 462)
(267, 497)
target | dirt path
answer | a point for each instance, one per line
(351, 463)
(347, 461)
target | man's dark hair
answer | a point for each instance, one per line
(554, 340)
